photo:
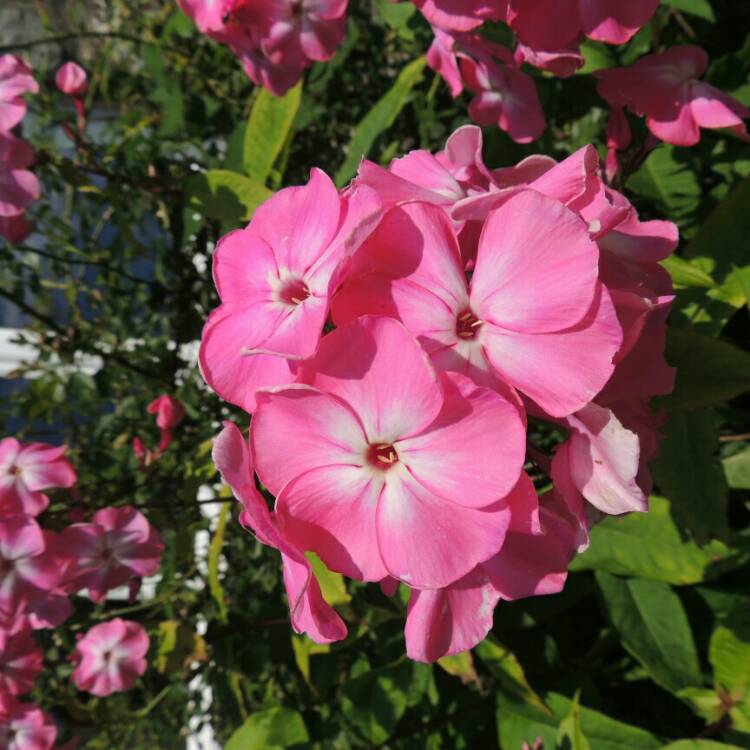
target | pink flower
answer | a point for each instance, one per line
(112, 657)
(28, 569)
(169, 411)
(118, 545)
(309, 611)
(505, 97)
(19, 188)
(273, 279)
(561, 62)
(21, 662)
(246, 44)
(551, 25)
(26, 470)
(71, 79)
(23, 726)
(396, 470)
(532, 316)
(665, 88)
(208, 15)
(533, 561)
(461, 15)
(293, 30)
(15, 229)
(16, 80)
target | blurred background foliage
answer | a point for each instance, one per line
(649, 644)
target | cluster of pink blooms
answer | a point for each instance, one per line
(275, 40)
(663, 87)
(19, 187)
(392, 341)
(169, 412)
(39, 571)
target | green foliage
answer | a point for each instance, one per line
(271, 729)
(268, 130)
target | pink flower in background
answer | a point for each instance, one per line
(118, 545)
(26, 470)
(665, 88)
(275, 40)
(274, 281)
(24, 726)
(19, 188)
(297, 30)
(308, 609)
(28, 568)
(388, 463)
(21, 662)
(16, 79)
(71, 79)
(505, 97)
(552, 25)
(461, 15)
(169, 411)
(112, 656)
(15, 229)
(208, 15)
(531, 316)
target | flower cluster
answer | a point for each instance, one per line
(169, 412)
(664, 86)
(40, 569)
(19, 187)
(393, 340)
(275, 40)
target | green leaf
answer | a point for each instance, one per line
(737, 469)
(397, 16)
(730, 658)
(706, 703)
(332, 584)
(460, 665)
(504, 666)
(725, 236)
(686, 273)
(518, 723)
(670, 184)
(178, 646)
(269, 127)
(701, 8)
(304, 648)
(374, 702)
(214, 554)
(649, 545)
(570, 734)
(699, 745)
(690, 475)
(268, 730)
(709, 371)
(225, 196)
(654, 628)
(379, 119)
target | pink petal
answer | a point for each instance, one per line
(323, 431)
(312, 614)
(613, 21)
(604, 461)
(356, 363)
(536, 267)
(331, 510)
(242, 266)
(447, 621)
(426, 541)
(560, 371)
(472, 454)
(299, 222)
(234, 376)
